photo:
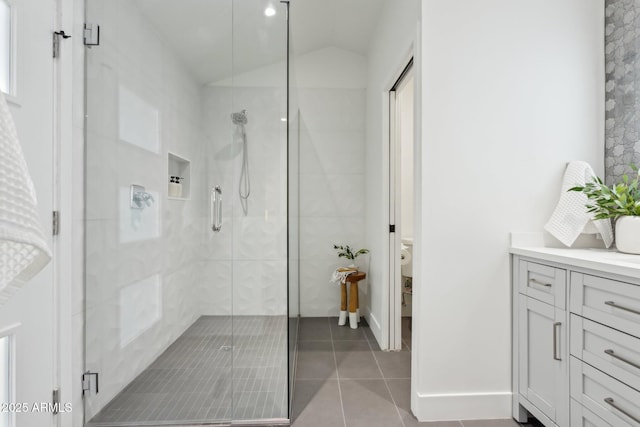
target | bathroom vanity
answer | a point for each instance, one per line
(576, 336)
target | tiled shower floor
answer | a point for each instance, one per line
(218, 370)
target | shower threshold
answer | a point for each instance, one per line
(222, 371)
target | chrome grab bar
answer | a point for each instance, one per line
(216, 209)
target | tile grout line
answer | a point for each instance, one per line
(385, 381)
(335, 362)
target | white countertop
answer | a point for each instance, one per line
(605, 260)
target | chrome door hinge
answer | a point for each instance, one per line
(86, 382)
(56, 42)
(56, 223)
(55, 400)
(91, 35)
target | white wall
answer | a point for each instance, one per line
(511, 91)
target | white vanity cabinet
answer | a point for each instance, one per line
(542, 348)
(576, 338)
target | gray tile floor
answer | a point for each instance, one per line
(217, 370)
(343, 379)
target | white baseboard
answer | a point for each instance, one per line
(374, 325)
(472, 406)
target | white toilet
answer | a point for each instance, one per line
(407, 267)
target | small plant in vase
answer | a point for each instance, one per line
(348, 253)
(620, 202)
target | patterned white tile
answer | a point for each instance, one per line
(216, 288)
(317, 235)
(332, 196)
(332, 109)
(259, 238)
(111, 264)
(259, 287)
(318, 296)
(331, 152)
(265, 107)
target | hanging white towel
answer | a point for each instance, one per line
(23, 249)
(570, 218)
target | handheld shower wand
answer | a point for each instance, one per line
(244, 188)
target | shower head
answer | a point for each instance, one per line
(239, 118)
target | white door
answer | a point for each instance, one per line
(401, 137)
(28, 317)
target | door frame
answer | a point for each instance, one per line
(62, 198)
(69, 202)
(393, 334)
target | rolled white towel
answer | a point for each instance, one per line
(570, 217)
(340, 274)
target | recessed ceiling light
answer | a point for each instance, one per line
(269, 11)
(284, 119)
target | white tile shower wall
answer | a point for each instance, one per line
(158, 251)
(331, 189)
(251, 249)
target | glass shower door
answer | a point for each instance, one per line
(259, 207)
(159, 339)
(186, 212)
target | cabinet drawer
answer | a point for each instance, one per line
(611, 351)
(610, 302)
(542, 282)
(616, 403)
(582, 417)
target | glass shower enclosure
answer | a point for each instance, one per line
(186, 212)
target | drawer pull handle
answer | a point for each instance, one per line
(537, 282)
(555, 341)
(609, 401)
(622, 359)
(614, 305)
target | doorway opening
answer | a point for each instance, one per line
(401, 207)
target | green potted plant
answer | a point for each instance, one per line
(620, 202)
(348, 253)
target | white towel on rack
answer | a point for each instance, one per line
(23, 249)
(570, 218)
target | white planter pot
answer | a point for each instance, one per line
(628, 234)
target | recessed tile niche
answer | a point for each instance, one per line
(180, 167)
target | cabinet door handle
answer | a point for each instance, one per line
(622, 359)
(537, 282)
(555, 341)
(609, 401)
(614, 305)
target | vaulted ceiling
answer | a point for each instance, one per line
(218, 38)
